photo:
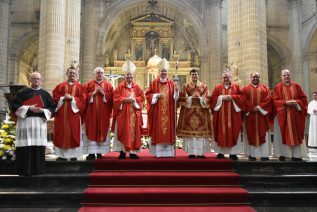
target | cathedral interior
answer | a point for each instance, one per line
(209, 35)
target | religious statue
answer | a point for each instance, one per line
(115, 54)
(107, 59)
(189, 56)
(196, 61)
(152, 43)
(127, 55)
(165, 52)
(233, 67)
(175, 55)
(75, 64)
(138, 52)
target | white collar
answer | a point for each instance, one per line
(163, 80)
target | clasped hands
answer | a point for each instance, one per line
(98, 90)
(256, 109)
(196, 95)
(291, 103)
(129, 99)
(227, 98)
(35, 109)
(68, 96)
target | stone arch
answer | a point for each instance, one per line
(26, 52)
(278, 58)
(173, 10)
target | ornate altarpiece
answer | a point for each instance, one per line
(151, 35)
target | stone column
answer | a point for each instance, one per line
(5, 24)
(52, 42)
(89, 40)
(72, 32)
(214, 22)
(5, 14)
(247, 41)
(295, 21)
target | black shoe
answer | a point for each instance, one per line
(134, 156)
(265, 159)
(252, 158)
(61, 159)
(281, 158)
(191, 156)
(220, 156)
(297, 159)
(99, 156)
(122, 155)
(233, 157)
(91, 157)
(73, 159)
(201, 156)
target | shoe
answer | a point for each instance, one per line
(99, 156)
(297, 159)
(122, 155)
(191, 156)
(252, 158)
(265, 159)
(201, 156)
(281, 158)
(61, 159)
(91, 157)
(220, 156)
(134, 156)
(73, 159)
(233, 157)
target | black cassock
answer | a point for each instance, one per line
(30, 159)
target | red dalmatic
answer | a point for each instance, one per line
(66, 122)
(257, 124)
(98, 112)
(227, 122)
(290, 119)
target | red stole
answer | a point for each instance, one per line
(161, 115)
(291, 121)
(66, 122)
(98, 113)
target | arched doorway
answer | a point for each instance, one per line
(274, 66)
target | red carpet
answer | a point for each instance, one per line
(164, 184)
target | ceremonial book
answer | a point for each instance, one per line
(35, 100)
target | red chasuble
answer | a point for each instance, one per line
(66, 122)
(227, 122)
(129, 119)
(196, 120)
(161, 115)
(98, 112)
(291, 121)
(257, 124)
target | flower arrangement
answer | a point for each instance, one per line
(7, 140)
